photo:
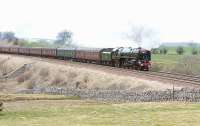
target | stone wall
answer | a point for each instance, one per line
(188, 95)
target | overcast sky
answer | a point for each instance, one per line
(101, 23)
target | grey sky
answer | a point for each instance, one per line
(101, 23)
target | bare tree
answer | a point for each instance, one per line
(7, 36)
(1, 34)
(64, 37)
(139, 34)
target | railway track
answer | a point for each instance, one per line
(162, 76)
(172, 77)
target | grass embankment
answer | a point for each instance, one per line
(69, 75)
(21, 97)
(85, 113)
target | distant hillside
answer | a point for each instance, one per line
(175, 44)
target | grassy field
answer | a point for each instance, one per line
(21, 97)
(168, 59)
(172, 60)
(89, 113)
(185, 64)
(166, 62)
(171, 57)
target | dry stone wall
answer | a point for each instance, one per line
(189, 95)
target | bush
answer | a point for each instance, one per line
(155, 51)
(16, 42)
(30, 85)
(163, 51)
(4, 68)
(194, 51)
(180, 50)
(24, 77)
(57, 80)
(1, 106)
(44, 72)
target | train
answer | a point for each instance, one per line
(123, 57)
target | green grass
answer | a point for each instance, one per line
(88, 113)
(171, 60)
(166, 59)
(20, 97)
(166, 62)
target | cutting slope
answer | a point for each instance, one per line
(40, 73)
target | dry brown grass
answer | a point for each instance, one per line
(51, 74)
(44, 72)
(4, 68)
(188, 65)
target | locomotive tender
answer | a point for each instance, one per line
(126, 57)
